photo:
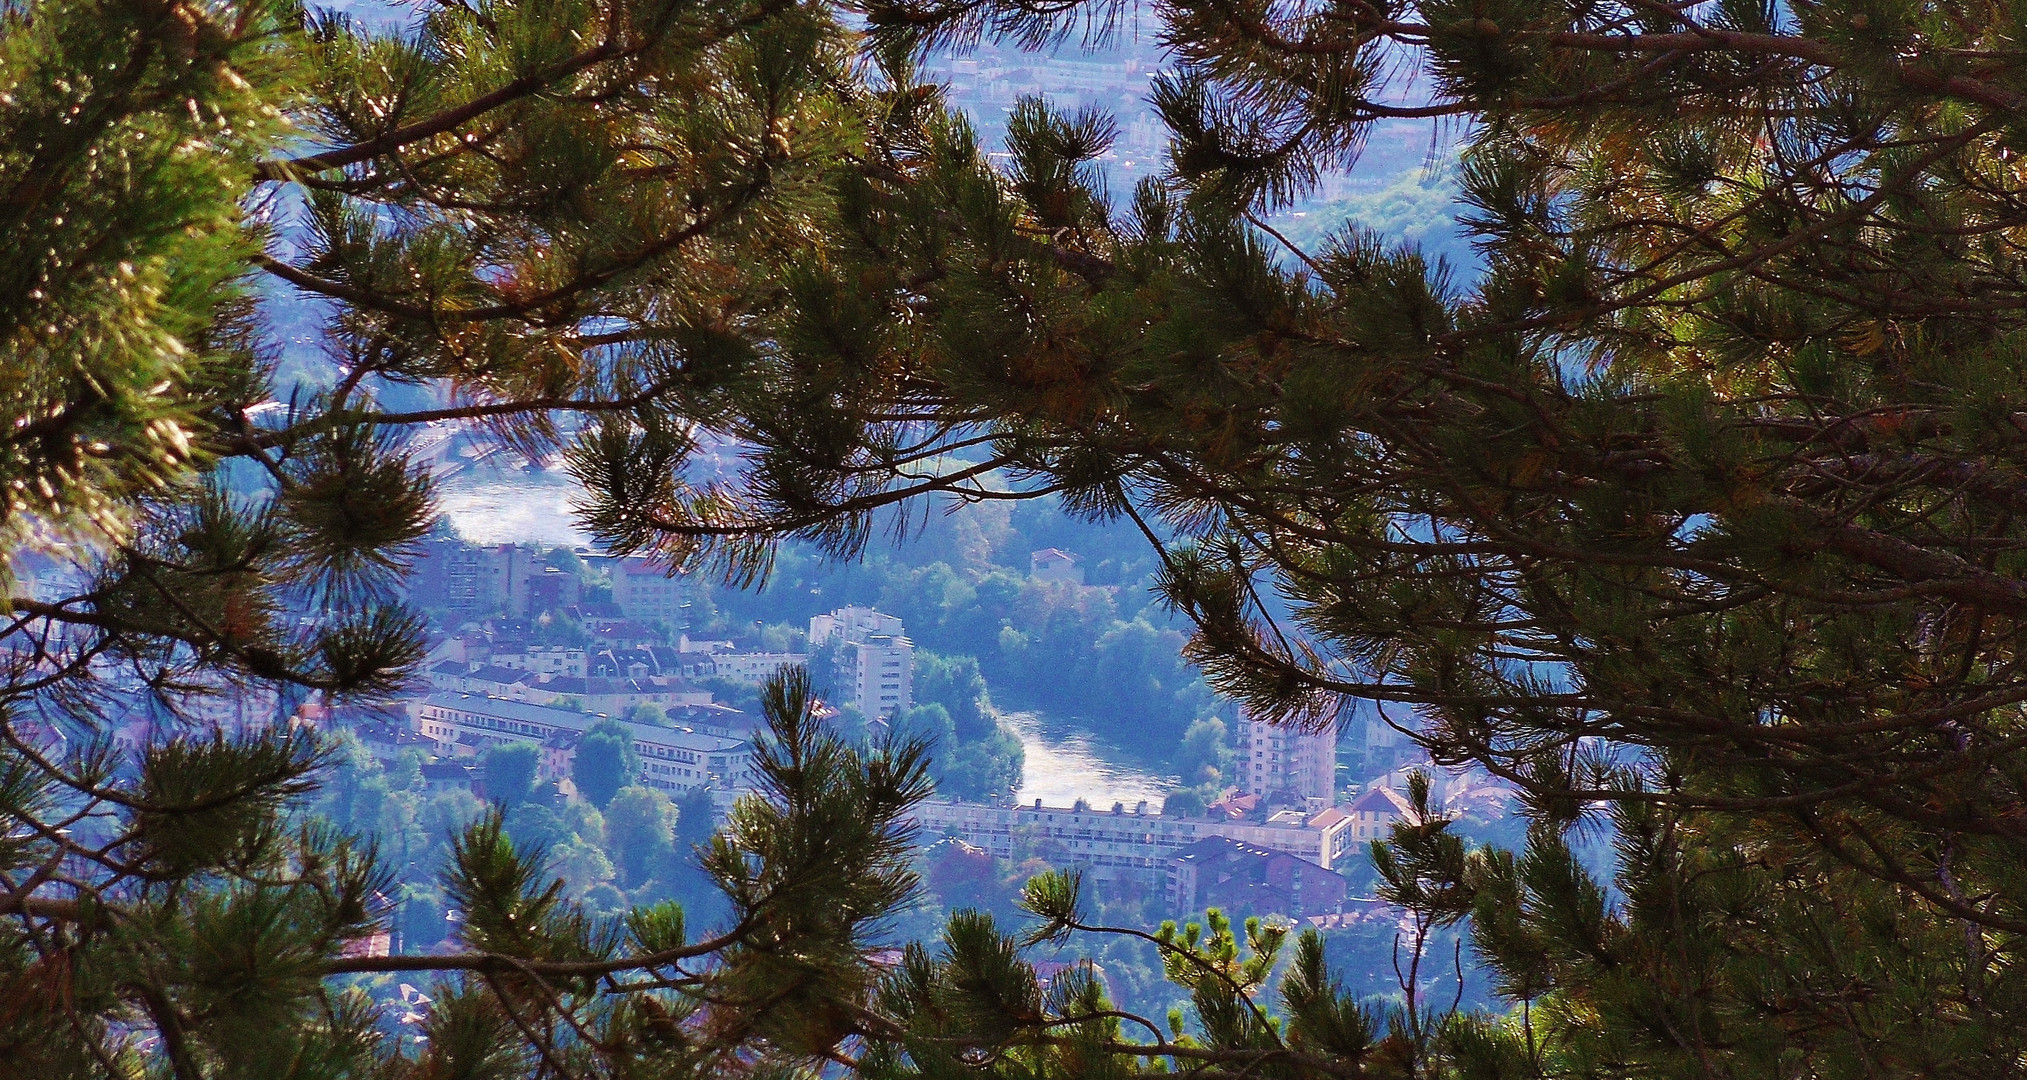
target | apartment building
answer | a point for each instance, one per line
(643, 590)
(1322, 836)
(1276, 761)
(753, 667)
(1247, 879)
(1133, 846)
(853, 623)
(544, 659)
(875, 662)
(482, 580)
(877, 674)
(463, 577)
(672, 758)
(725, 660)
(1111, 846)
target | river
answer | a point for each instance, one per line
(490, 505)
(1064, 765)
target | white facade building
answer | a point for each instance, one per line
(672, 758)
(544, 659)
(875, 662)
(753, 667)
(878, 674)
(851, 624)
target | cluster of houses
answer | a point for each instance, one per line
(453, 575)
(625, 666)
(489, 684)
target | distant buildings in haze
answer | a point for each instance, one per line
(454, 575)
(644, 590)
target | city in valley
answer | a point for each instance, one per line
(539, 648)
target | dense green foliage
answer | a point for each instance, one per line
(1104, 654)
(605, 762)
(638, 851)
(121, 310)
(1417, 207)
(1695, 512)
(513, 215)
(640, 825)
(985, 766)
(1206, 754)
(509, 772)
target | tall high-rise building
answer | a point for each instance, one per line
(875, 663)
(459, 576)
(1285, 761)
(879, 673)
(644, 591)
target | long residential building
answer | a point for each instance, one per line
(1131, 845)
(672, 758)
(595, 695)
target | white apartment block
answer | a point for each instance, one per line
(877, 674)
(753, 667)
(543, 659)
(1278, 760)
(851, 624)
(876, 663)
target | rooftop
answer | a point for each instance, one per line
(1382, 800)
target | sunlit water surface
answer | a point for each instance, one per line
(1064, 765)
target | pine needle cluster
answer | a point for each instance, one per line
(1692, 510)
